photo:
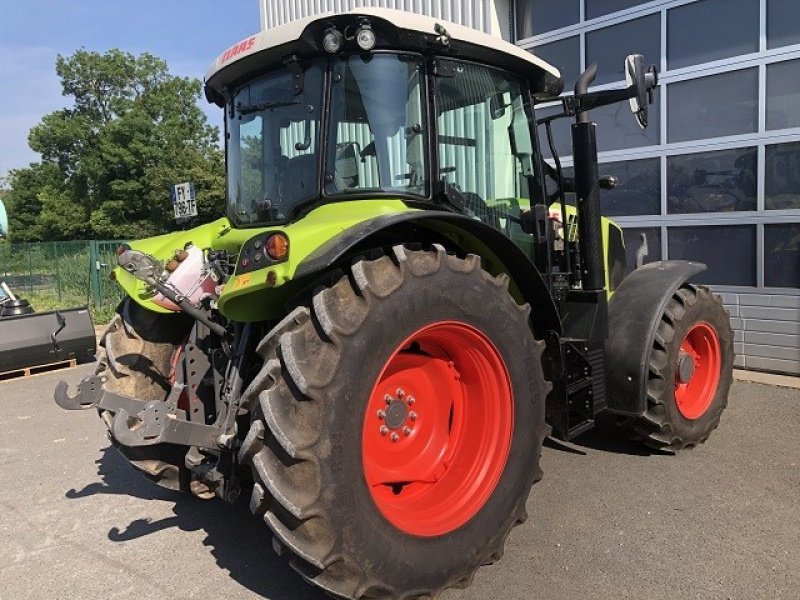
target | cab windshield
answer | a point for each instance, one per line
(377, 126)
(376, 141)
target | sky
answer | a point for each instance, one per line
(188, 34)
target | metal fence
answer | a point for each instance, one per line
(55, 275)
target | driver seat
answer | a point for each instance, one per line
(297, 179)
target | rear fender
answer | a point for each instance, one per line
(498, 253)
(634, 312)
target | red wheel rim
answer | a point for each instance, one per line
(437, 429)
(700, 359)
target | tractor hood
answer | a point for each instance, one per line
(394, 29)
(237, 301)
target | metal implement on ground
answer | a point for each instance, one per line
(399, 305)
(40, 339)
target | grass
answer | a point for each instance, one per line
(44, 300)
(57, 275)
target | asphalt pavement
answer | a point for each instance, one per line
(608, 521)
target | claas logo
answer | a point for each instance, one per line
(237, 49)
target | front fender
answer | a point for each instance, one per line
(633, 315)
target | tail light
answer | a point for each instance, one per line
(277, 246)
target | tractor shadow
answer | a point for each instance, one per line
(240, 542)
(606, 436)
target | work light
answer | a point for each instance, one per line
(332, 40)
(365, 37)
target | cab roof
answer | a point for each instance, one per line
(395, 30)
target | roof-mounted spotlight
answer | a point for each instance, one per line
(332, 40)
(365, 37)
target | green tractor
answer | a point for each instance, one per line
(395, 312)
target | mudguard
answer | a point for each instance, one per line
(500, 254)
(633, 315)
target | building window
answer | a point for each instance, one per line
(729, 251)
(719, 181)
(783, 17)
(782, 255)
(709, 30)
(638, 191)
(783, 94)
(538, 16)
(609, 46)
(713, 106)
(617, 128)
(782, 176)
(598, 8)
(565, 55)
(633, 239)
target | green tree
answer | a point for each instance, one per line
(109, 161)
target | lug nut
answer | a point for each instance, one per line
(400, 392)
(395, 438)
(384, 430)
(381, 414)
(387, 398)
(411, 400)
(407, 431)
(412, 415)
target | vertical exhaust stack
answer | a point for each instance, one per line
(587, 189)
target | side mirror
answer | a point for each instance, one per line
(641, 82)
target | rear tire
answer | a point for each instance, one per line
(135, 360)
(682, 414)
(311, 408)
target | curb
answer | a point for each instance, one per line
(767, 378)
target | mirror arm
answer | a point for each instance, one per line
(584, 102)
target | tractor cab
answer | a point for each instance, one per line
(379, 104)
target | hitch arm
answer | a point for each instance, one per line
(92, 395)
(137, 422)
(160, 422)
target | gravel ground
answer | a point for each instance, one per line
(608, 521)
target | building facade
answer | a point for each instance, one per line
(489, 16)
(716, 175)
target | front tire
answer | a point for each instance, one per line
(135, 359)
(343, 476)
(691, 370)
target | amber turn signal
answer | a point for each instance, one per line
(277, 246)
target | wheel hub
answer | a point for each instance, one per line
(396, 415)
(685, 368)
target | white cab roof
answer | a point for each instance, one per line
(404, 20)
